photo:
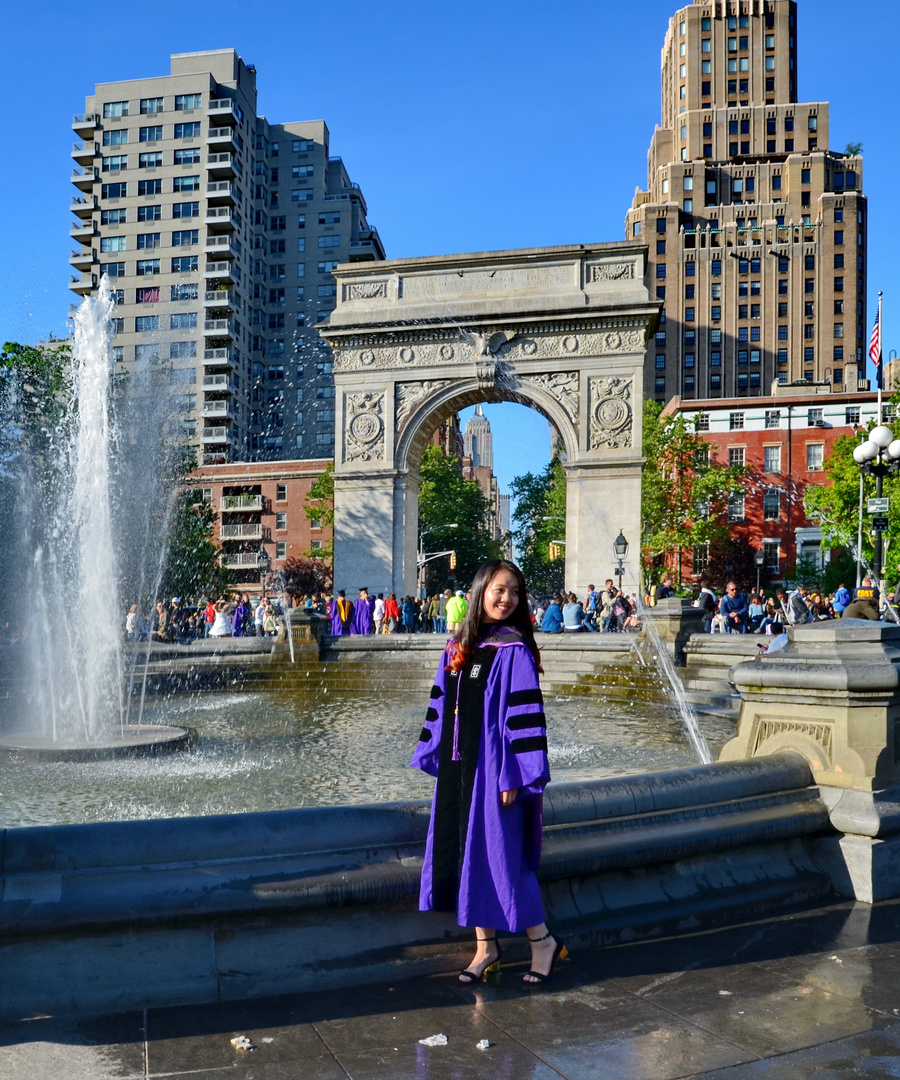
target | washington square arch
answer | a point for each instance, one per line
(561, 329)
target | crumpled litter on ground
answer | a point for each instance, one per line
(435, 1040)
(836, 959)
(241, 1042)
(484, 1044)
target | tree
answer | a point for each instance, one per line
(835, 507)
(304, 576)
(540, 519)
(684, 497)
(319, 506)
(852, 149)
(191, 566)
(446, 497)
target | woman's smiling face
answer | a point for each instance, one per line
(501, 597)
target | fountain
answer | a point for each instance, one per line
(78, 708)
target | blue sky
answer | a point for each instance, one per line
(471, 126)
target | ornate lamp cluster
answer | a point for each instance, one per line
(878, 456)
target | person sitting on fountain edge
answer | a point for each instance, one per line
(735, 610)
(865, 602)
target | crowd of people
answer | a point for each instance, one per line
(181, 623)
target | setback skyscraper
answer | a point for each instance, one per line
(756, 230)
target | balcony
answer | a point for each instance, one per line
(219, 190)
(85, 284)
(223, 246)
(219, 328)
(221, 164)
(218, 298)
(252, 531)
(216, 458)
(84, 205)
(220, 138)
(216, 435)
(220, 384)
(221, 271)
(220, 218)
(218, 410)
(84, 178)
(241, 503)
(362, 251)
(222, 111)
(218, 358)
(84, 124)
(239, 560)
(83, 231)
(83, 260)
(85, 154)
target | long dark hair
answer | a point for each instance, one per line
(467, 640)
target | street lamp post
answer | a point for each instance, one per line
(760, 559)
(620, 550)
(263, 565)
(878, 456)
(420, 558)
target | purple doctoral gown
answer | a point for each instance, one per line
(490, 878)
(363, 622)
(337, 626)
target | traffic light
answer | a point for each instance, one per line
(452, 560)
(555, 552)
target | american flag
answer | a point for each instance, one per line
(875, 345)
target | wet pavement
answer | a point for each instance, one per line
(814, 995)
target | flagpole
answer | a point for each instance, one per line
(879, 366)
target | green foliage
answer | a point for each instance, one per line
(841, 570)
(319, 506)
(538, 497)
(684, 498)
(446, 497)
(852, 149)
(835, 508)
(191, 566)
(33, 385)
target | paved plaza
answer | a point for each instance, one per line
(814, 995)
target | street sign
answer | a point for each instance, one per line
(879, 506)
(880, 524)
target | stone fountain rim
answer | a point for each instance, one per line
(140, 741)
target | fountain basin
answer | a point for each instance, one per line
(134, 741)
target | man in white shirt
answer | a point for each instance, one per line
(378, 614)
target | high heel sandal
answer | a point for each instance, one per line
(469, 977)
(561, 953)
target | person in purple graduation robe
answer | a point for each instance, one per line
(341, 614)
(485, 740)
(363, 621)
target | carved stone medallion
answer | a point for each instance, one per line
(367, 290)
(410, 394)
(612, 420)
(612, 272)
(365, 427)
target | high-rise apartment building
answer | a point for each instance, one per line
(219, 232)
(756, 230)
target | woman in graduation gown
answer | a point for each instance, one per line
(485, 740)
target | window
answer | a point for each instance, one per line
(772, 500)
(280, 545)
(782, 333)
(772, 551)
(736, 508)
(151, 105)
(112, 243)
(186, 183)
(151, 134)
(300, 146)
(115, 137)
(736, 421)
(302, 195)
(281, 492)
(301, 172)
(326, 291)
(149, 213)
(187, 131)
(185, 209)
(716, 267)
(815, 455)
(148, 353)
(152, 159)
(187, 101)
(183, 320)
(181, 350)
(113, 191)
(149, 187)
(185, 292)
(330, 241)
(144, 324)
(689, 359)
(147, 267)
(115, 163)
(281, 520)
(852, 416)
(184, 264)
(185, 237)
(772, 459)
(715, 337)
(190, 156)
(113, 109)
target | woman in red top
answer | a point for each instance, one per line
(391, 614)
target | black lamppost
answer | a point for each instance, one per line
(263, 564)
(760, 559)
(878, 456)
(620, 549)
